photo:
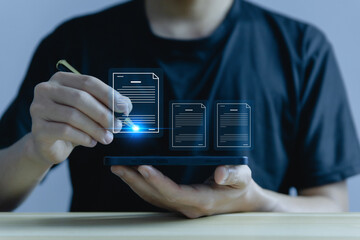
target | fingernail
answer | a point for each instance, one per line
(225, 176)
(120, 104)
(108, 137)
(144, 172)
(93, 143)
(118, 126)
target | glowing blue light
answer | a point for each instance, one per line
(135, 128)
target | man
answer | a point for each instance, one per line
(208, 49)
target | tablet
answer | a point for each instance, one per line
(176, 160)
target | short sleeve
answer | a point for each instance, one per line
(16, 121)
(327, 146)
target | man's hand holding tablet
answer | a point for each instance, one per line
(232, 189)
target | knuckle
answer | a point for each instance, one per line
(66, 130)
(35, 108)
(79, 97)
(71, 115)
(58, 76)
(88, 81)
(41, 88)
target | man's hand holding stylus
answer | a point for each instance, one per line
(71, 110)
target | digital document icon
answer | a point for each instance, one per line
(233, 125)
(188, 126)
(144, 88)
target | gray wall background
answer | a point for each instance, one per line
(24, 23)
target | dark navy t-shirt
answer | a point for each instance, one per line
(303, 134)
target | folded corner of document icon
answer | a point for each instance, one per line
(155, 76)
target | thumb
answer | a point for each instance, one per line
(238, 176)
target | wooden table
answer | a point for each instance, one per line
(159, 226)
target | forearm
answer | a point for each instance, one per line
(276, 202)
(20, 172)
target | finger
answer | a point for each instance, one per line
(236, 176)
(82, 101)
(122, 104)
(117, 125)
(96, 88)
(168, 188)
(137, 183)
(78, 120)
(60, 131)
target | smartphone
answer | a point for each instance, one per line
(176, 160)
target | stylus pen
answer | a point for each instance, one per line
(64, 66)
